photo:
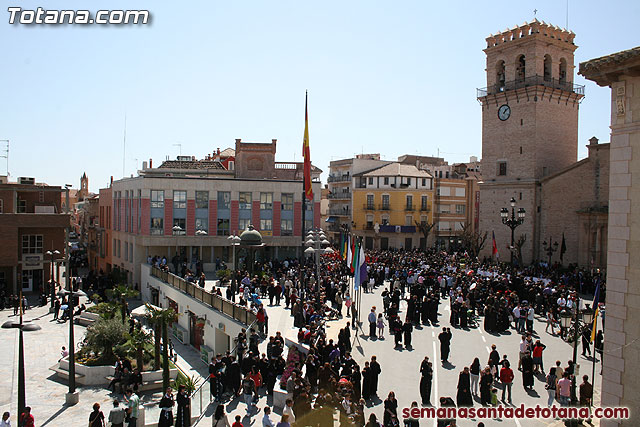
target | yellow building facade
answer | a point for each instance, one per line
(388, 204)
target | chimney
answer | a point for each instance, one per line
(144, 165)
(150, 163)
(218, 151)
(593, 141)
(111, 182)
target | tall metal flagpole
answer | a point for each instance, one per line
(304, 197)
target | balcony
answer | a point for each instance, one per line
(339, 178)
(384, 207)
(425, 209)
(368, 227)
(369, 207)
(339, 196)
(409, 208)
(339, 212)
(531, 81)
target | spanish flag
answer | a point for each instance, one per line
(596, 311)
(308, 191)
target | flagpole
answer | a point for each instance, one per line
(304, 197)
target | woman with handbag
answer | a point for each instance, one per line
(96, 418)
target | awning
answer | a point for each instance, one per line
(331, 219)
(142, 311)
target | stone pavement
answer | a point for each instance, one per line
(400, 368)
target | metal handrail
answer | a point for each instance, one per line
(531, 81)
(236, 311)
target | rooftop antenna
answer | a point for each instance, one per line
(6, 154)
(124, 143)
(567, 23)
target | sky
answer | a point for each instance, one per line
(383, 77)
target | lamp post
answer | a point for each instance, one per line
(549, 249)
(234, 241)
(512, 222)
(580, 318)
(72, 395)
(51, 280)
(316, 242)
(28, 326)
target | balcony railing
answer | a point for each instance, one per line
(369, 207)
(409, 208)
(339, 212)
(531, 81)
(223, 305)
(339, 178)
(425, 209)
(339, 195)
(384, 207)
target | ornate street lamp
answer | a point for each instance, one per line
(512, 222)
(28, 326)
(72, 397)
(549, 249)
(580, 318)
(52, 254)
(234, 241)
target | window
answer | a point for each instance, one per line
(445, 209)
(32, 244)
(266, 225)
(370, 198)
(231, 165)
(126, 251)
(223, 226)
(180, 199)
(500, 76)
(119, 249)
(386, 180)
(308, 224)
(157, 198)
(444, 191)
(286, 227)
(562, 71)
(244, 200)
(385, 219)
(460, 192)
(409, 202)
(385, 201)
(179, 226)
(202, 224)
(370, 180)
(157, 226)
(547, 68)
(224, 202)
(243, 224)
(502, 168)
(424, 219)
(287, 201)
(424, 182)
(1, 206)
(424, 203)
(266, 201)
(408, 220)
(461, 209)
(130, 252)
(520, 69)
(22, 206)
(202, 199)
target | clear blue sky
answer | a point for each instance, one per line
(389, 77)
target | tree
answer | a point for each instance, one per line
(425, 229)
(119, 295)
(518, 247)
(140, 338)
(473, 241)
(103, 335)
(161, 319)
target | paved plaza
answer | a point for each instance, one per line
(400, 368)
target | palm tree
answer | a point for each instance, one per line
(119, 295)
(140, 338)
(161, 319)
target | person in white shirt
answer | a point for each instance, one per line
(288, 410)
(5, 422)
(266, 419)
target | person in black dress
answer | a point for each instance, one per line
(407, 329)
(463, 397)
(390, 410)
(166, 409)
(366, 381)
(486, 380)
(527, 371)
(426, 371)
(183, 414)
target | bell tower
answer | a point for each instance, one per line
(529, 125)
(84, 186)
